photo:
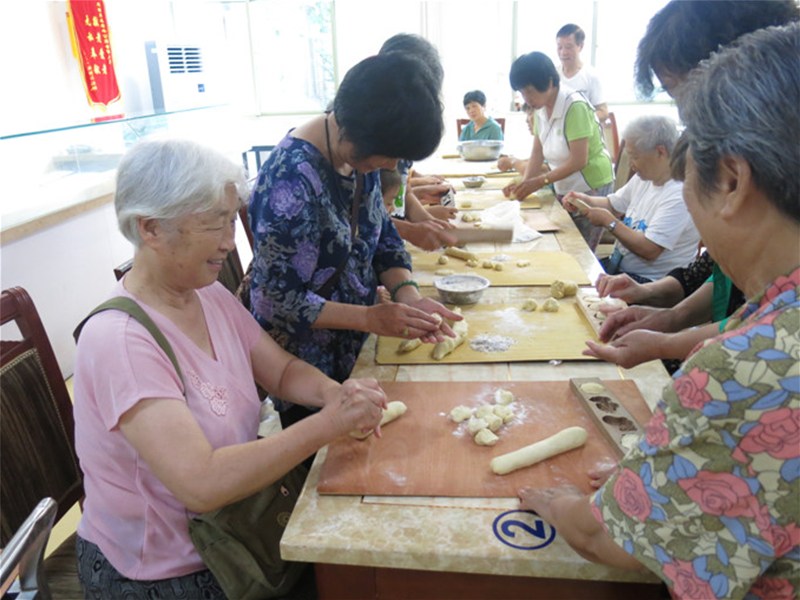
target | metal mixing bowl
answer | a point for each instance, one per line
(474, 182)
(480, 149)
(460, 289)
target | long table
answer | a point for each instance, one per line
(436, 547)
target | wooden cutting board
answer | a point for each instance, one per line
(537, 336)
(423, 453)
(544, 268)
(535, 219)
(480, 199)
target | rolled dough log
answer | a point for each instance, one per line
(459, 253)
(566, 439)
(408, 345)
(442, 349)
(392, 411)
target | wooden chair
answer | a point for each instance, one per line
(611, 136)
(622, 167)
(37, 442)
(230, 276)
(461, 123)
(259, 154)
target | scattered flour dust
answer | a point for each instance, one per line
(491, 343)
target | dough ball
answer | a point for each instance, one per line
(503, 397)
(530, 305)
(504, 411)
(408, 345)
(498, 266)
(472, 263)
(444, 272)
(474, 425)
(443, 260)
(460, 413)
(485, 438)
(561, 289)
(483, 410)
(609, 305)
(493, 421)
(523, 263)
(550, 305)
(592, 387)
(466, 203)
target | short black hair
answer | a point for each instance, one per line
(475, 96)
(418, 47)
(685, 32)
(570, 29)
(534, 69)
(389, 105)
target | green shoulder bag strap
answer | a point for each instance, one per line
(131, 307)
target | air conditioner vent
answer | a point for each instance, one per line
(184, 59)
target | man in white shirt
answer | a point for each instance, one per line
(647, 216)
(574, 73)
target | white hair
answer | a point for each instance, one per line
(650, 131)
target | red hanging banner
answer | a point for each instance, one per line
(92, 46)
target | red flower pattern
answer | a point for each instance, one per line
(691, 391)
(773, 588)
(777, 433)
(656, 431)
(631, 496)
(719, 493)
(782, 284)
(686, 585)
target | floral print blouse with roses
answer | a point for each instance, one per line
(300, 215)
(710, 498)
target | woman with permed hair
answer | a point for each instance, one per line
(323, 241)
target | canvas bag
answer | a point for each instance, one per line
(240, 542)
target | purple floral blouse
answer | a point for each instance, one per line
(301, 230)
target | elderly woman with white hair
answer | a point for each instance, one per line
(156, 447)
(708, 499)
(647, 215)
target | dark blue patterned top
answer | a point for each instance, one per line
(301, 229)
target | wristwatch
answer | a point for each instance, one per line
(612, 226)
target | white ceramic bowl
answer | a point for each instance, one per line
(460, 289)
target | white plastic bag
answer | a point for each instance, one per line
(507, 214)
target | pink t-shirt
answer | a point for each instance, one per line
(138, 524)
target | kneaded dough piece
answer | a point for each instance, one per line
(530, 305)
(483, 410)
(459, 253)
(566, 439)
(523, 263)
(466, 203)
(444, 272)
(443, 260)
(502, 396)
(392, 411)
(472, 263)
(498, 266)
(562, 288)
(474, 425)
(460, 413)
(442, 349)
(612, 304)
(504, 411)
(408, 345)
(550, 305)
(592, 387)
(493, 422)
(485, 438)
(488, 264)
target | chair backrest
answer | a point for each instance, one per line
(22, 557)
(461, 123)
(622, 167)
(230, 276)
(611, 136)
(259, 155)
(37, 431)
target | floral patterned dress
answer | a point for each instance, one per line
(300, 215)
(710, 498)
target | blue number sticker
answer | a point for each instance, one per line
(523, 529)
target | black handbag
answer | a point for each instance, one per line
(240, 542)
